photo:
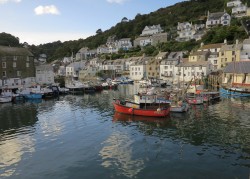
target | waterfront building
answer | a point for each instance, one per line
(88, 73)
(229, 53)
(45, 75)
(61, 71)
(237, 74)
(17, 67)
(218, 18)
(73, 69)
(153, 68)
(190, 70)
(138, 68)
(168, 69)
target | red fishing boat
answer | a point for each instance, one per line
(151, 107)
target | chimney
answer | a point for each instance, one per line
(225, 41)
(202, 44)
(237, 42)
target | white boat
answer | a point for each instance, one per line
(145, 83)
(179, 107)
(5, 99)
(75, 87)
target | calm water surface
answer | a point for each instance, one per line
(82, 137)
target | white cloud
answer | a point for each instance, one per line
(51, 9)
(117, 1)
(6, 1)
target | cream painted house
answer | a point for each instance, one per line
(229, 53)
(237, 74)
(198, 56)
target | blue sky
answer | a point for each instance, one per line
(44, 21)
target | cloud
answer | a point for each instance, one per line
(6, 1)
(117, 1)
(51, 9)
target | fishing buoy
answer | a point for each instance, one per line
(130, 110)
(158, 109)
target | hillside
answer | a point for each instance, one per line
(193, 11)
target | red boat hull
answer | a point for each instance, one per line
(141, 112)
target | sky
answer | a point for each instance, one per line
(44, 21)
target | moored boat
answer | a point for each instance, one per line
(235, 92)
(134, 109)
(179, 107)
(5, 99)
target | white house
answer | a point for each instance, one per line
(142, 41)
(45, 74)
(124, 44)
(234, 3)
(187, 31)
(102, 49)
(72, 70)
(112, 48)
(108, 65)
(85, 53)
(218, 18)
(239, 11)
(245, 51)
(168, 69)
(150, 30)
(137, 70)
(191, 70)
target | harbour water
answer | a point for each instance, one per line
(82, 137)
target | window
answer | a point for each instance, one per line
(14, 64)
(15, 58)
(3, 64)
(18, 73)
(215, 61)
(4, 74)
(166, 67)
(27, 65)
(200, 68)
(233, 52)
(27, 59)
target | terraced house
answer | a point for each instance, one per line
(17, 67)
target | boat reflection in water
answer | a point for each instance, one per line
(120, 117)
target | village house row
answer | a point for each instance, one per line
(19, 68)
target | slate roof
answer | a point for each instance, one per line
(193, 64)
(211, 46)
(238, 67)
(44, 67)
(14, 51)
(215, 16)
